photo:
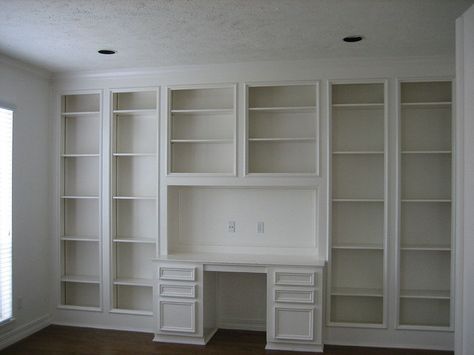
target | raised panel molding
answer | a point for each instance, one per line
(177, 273)
(282, 323)
(187, 323)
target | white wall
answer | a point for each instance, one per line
(29, 91)
(465, 170)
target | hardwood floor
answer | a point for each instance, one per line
(55, 340)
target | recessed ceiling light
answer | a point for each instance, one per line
(106, 51)
(352, 39)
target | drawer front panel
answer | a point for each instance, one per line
(176, 316)
(295, 278)
(294, 296)
(177, 290)
(291, 323)
(177, 273)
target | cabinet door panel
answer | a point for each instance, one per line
(293, 323)
(177, 316)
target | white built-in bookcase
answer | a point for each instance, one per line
(282, 129)
(358, 213)
(80, 216)
(134, 205)
(202, 130)
(425, 253)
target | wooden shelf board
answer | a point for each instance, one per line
(302, 139)
(356, 292)
(357, 200)
(134, 197)
(360, 246)
(211, 111)
(80, 238)
(81, 279)
(83, 113)
(359, 152)
(426, 294)
(202, 141)
(79, 308)
(360, 106)
(71, 197)
(80, 155)
(426, 152)
(131, 311)
(426, 247)
(410, 200)
(137, 111)
(133, 282)
(134, 240)
(134, 154)
(441, 104)
(284, 109)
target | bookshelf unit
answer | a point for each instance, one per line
(134, 184)
(282, 129)
(80, 216)
(202, 130)
(358, 254)
(425, 194)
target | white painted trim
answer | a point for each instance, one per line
(103, 326)
(151, 71)
(294, 347)
(179, 339)
(354, 342)
(14, 335)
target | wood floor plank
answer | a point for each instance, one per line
(59, 340)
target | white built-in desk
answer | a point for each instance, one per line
(185, 297)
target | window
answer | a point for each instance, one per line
(6, 132)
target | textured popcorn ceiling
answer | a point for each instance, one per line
(64, 35)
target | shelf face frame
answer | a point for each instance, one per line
(413, 248)
(65, 116)
(171, 112)
(379, 247)
(282, 109)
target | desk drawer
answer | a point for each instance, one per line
(175, 273)
(294, 296)
(177, 290)
(295, 278)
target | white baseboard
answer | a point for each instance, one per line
(242, 324)
(16, 334)
(366, 344)
(102, 326)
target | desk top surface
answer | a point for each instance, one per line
(244, 259)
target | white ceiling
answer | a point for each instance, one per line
(64, 35)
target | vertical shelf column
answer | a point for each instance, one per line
(134, 199)
(80, 236)
(202, 130)
(425, 247)
(357, 261)
(282, 135)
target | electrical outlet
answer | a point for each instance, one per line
(231, 227)
(260, 227)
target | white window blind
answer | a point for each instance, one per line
(6, 132)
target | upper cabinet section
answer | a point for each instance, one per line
(282, 125)
(202, 130)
